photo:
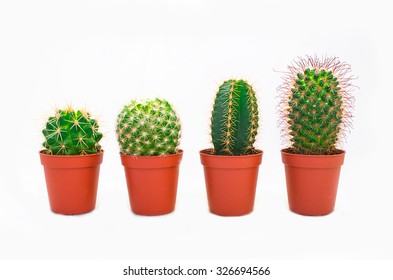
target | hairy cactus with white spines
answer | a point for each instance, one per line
(316, 104)
(148, 128)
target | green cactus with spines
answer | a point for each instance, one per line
(148, 128)
(234, 121)
(317, 103)
(71, 132)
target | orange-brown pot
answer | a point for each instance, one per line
(72, 182)
(230, 182)
(152, 182)
(312, 182)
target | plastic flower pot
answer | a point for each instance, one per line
(72, 182)
(230, 182)
(152, 182)
(312, 182)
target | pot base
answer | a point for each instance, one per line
(72, 212)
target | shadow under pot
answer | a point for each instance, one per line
(72, 181)
(312, 181)
(152, 182)
(230, 182)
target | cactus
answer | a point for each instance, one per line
(71, 132)
(148, 128)
(316, 104)
(234, 121)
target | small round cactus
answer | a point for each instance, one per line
(234, 121)
(316, 104)
(148, 128)
(71, 132)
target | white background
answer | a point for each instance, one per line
(101, 54)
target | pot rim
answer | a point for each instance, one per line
(230, 162)
(313, 161)
(151, 162)
(206, 152)
(71, 161)
(41, 152)
(340, 152)
(179, 151)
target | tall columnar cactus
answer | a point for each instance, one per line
(234, 122)
(148, 128)
(316, 104)
(71, 132)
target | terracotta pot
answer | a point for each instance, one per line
(230, 182)
(312, 182)
(152, 182)
(72, 182)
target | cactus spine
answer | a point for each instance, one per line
(71, 132)
(316, 104)
(234, 121)
(148, 128)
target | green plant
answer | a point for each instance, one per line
(234, 121)
(316, 104)
(148, 128)
(71, 132)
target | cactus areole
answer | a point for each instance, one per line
(234, 121)
(316, 105)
